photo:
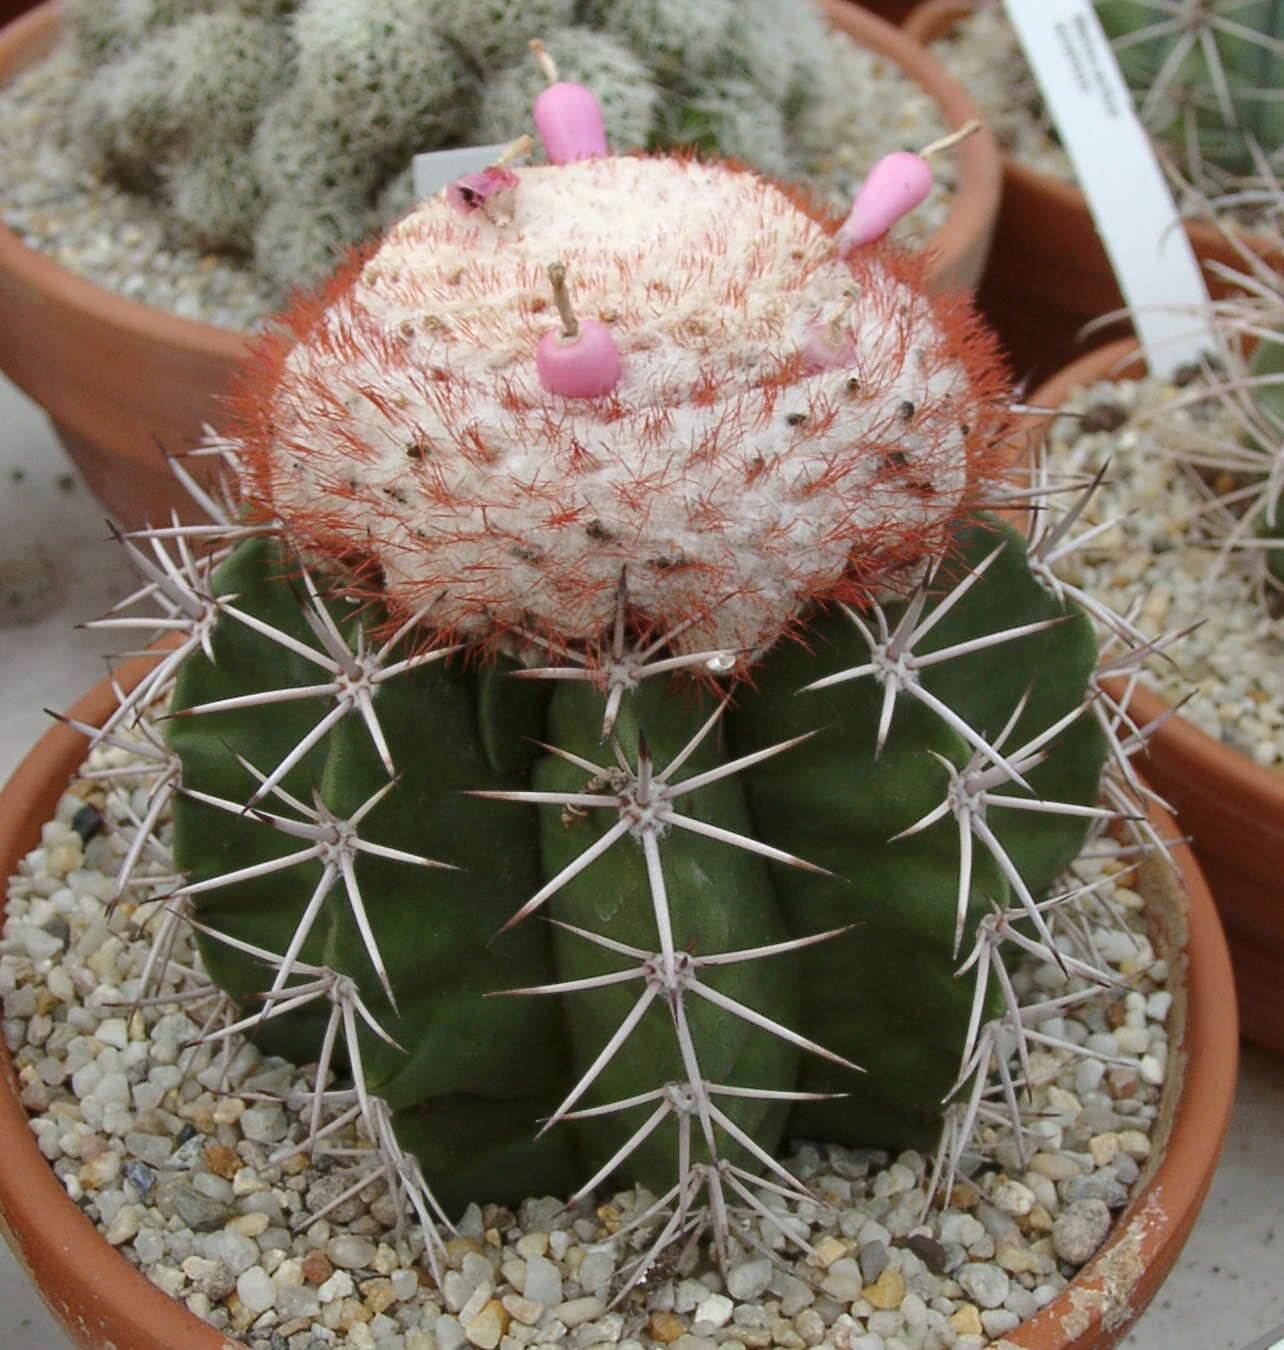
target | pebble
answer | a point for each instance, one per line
(966, 1321)
(577, 1310)
(316, 1267)
(1080, 1229)
(1012, 1197)
(887, 1291)
(873, 1260)
(665, 1327)
(486, 1328)
(844, 1280)
(200, 1212)
(931, 1252)
(715, 1311)
(128, 1220)
(255, 1289)
(987, 1284)
(543, 1281)
(749, 1279)
(1102, 1185)
(350, 1252)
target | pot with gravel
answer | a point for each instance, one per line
(1194, 470)
(609, 738)
(138, 254)
(1048, 273)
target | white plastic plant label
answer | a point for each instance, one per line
(1120, 176)
(434, 169)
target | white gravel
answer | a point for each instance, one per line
(1161, 559)
(167, 1150)
(125, 243)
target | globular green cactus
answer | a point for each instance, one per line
(615, 786)
(1205, 77)
(250, 117)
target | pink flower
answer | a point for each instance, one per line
(490, 191)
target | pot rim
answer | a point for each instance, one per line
(962, 240)
(1204, 758)
(100, 1297)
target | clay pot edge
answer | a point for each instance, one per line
(23, 43)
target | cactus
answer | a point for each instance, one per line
(244, 116)
(1206, 78)
(1224, 427)
(726, 672)
(1266, 369)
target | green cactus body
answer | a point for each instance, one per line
(883, 995)
(1208, 81)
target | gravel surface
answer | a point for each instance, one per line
(123, 242)
(1161, 558)
(183, 1161)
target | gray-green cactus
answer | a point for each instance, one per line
(244, 115)
(724, 672)
(1206, 78)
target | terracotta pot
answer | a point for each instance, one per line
(1231, 808)
(894, 11)
(10, 9)
(1048, 273)
(103, 1301)
(122, 382)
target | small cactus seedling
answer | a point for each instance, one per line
(613, 782)
(1205, 74)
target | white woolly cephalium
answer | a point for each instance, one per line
(731, 477)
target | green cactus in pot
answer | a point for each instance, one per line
(1206, 78)
(612, 737)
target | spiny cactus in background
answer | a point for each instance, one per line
(1266, 370)
(1226, 426)
(1206, 77)
(723, 670)
(283, 129)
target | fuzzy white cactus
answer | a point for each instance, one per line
(320, 104)
(786, 426)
